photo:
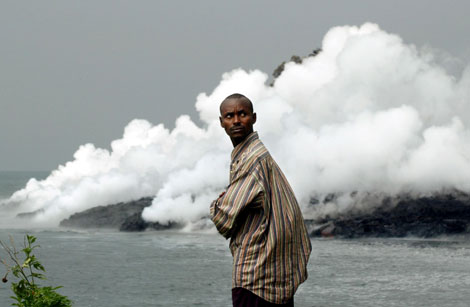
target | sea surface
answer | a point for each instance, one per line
(166, 268)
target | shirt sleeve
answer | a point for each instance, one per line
(239, 194)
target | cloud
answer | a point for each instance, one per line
(369, 114)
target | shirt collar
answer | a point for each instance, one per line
(244, 144)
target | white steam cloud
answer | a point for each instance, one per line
(367, 114)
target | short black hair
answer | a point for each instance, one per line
(239, 97)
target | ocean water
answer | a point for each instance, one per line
(108, 268)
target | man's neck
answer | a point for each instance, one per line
(236, 141)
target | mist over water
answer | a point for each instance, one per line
(369, 114)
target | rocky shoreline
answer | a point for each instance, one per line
(425, 217)
(443, 214)
(125, 216)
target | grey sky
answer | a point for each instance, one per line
(73, 72)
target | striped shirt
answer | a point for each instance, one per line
(260, 214)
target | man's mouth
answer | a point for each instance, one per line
(238, 129)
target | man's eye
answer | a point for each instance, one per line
(228, 116)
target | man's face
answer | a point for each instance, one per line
(237, 118)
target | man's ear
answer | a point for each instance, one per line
(221, 122)
(254, 118)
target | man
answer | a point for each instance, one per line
(259, 213)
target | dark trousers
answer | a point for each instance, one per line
(244, 298)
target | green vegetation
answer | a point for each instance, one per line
(27, 293)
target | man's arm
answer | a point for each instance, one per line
(226, 208)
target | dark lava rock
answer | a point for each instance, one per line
(111, 216)
(123, 216)
(420, 217)
(296, 59)
(431, 216)
(28, 215)
(135, 222)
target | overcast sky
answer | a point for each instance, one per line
(75, 72)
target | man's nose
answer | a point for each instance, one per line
(236, 119)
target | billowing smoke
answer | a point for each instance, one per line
(369, 114)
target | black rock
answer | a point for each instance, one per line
(420, 217)
(125, 216)
(430, 216)
(135, 222)
(28, 215)
(111, 216)
(296, 59)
